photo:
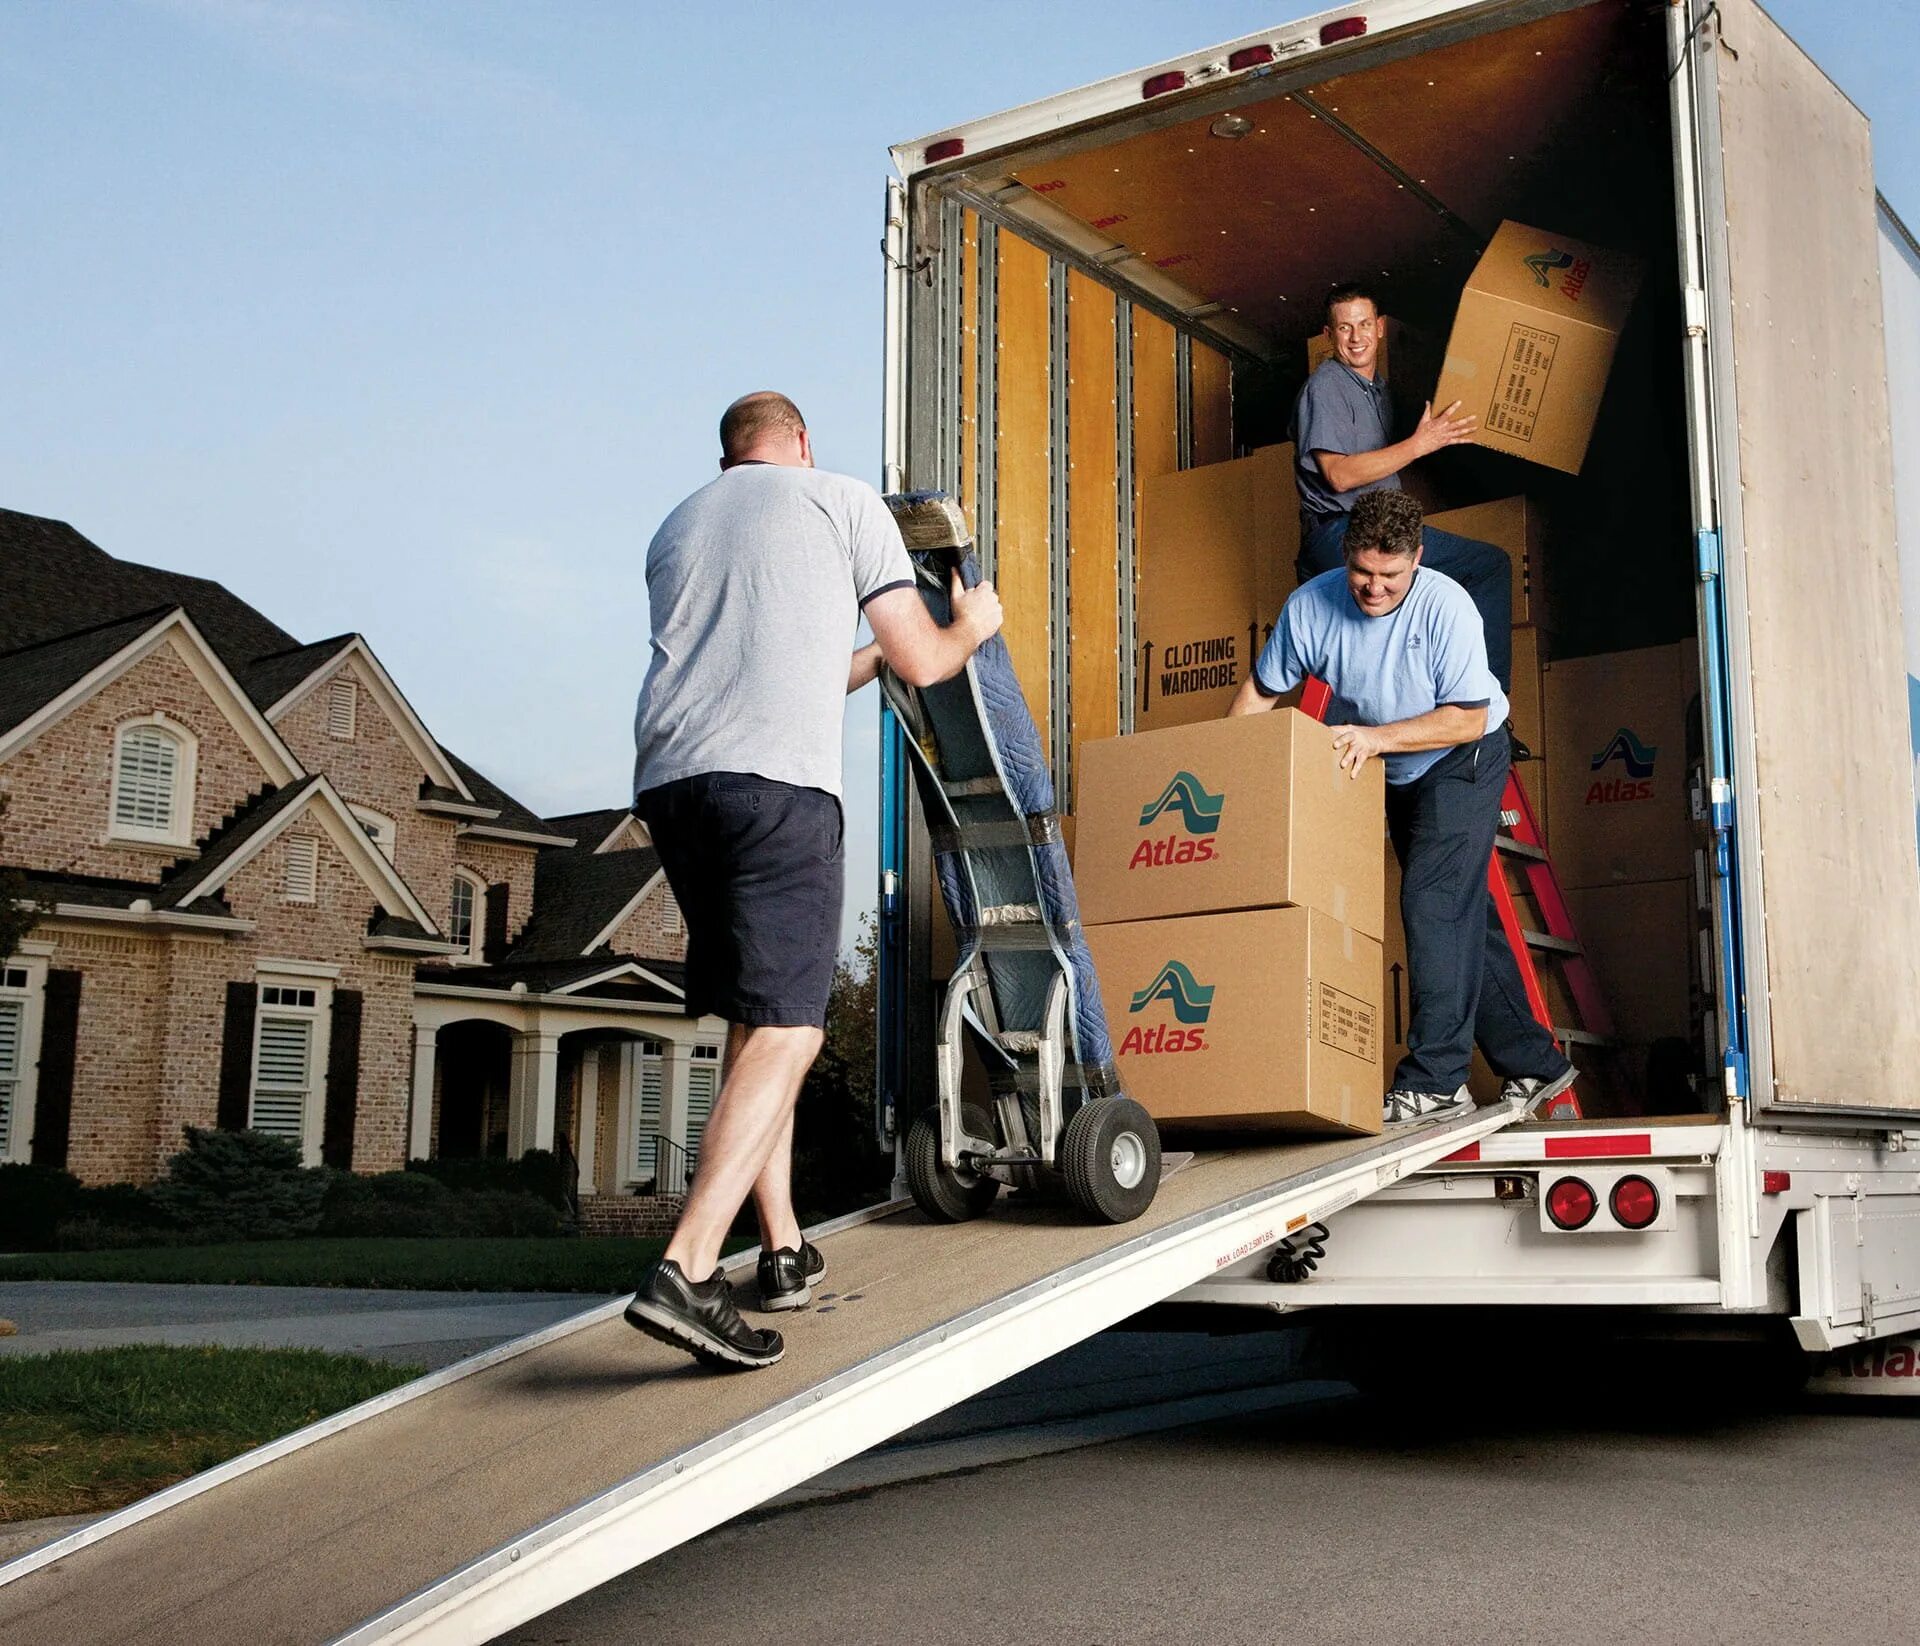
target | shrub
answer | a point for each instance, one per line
(118, 1205)
(537, 1172)
(414, 1204)
(240, 1186)
(33, 1200)
(92, 1234)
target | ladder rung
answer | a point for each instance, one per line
(1518, 848)
(1546, 940)
(1580, 1037)
(968, 786)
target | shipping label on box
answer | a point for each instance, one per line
(1512, 525)
(1533, 341)
(1617, 724)
(1252, 812)
(1217, 550)
(1268, 1018)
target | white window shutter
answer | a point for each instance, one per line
(703, 1080)
(12, 1019)
(302, 868)
(149, 762)
(647, 1123)
(342, 698)
(283, 1076)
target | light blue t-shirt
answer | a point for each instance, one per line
(1429, 650)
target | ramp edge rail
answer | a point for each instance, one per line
(259, 1457)
(682, 1496)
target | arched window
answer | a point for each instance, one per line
(466, 918)
(153, 773)
(379, 827)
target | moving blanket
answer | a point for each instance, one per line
(988, 794)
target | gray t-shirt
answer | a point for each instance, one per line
(756, 583)
(1339, 411)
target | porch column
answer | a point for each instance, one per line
(626, 1103)
(426, 1046)
(676, 1064)
(531, 1092)
(586, 1104)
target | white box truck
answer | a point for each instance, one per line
(1121, 281)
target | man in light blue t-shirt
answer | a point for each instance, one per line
(1404, 653)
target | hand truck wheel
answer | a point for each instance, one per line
(1110, 1155)
(946, 1195)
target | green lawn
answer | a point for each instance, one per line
(83, 1432)
(465, 1265)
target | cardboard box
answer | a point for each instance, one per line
(1512, 524)
(1533, 341)
(1217, 547)
(1248, 813)
(1640, 941)
(1617, 783)
(1526, 708)
(1266, 1019)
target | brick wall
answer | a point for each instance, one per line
(62, 783)
(628, 1215)
(646, 931)
(117, 1051)
(493, 861)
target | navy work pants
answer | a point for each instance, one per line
(1461, 976)
(1479, 568)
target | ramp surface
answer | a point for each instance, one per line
(602, 1422)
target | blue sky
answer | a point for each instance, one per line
(415, 316)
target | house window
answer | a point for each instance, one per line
(703, 1086)
(153, 762)
(463, 925)
(380, 829)
(19, 1051)
(302, 877)
(13, 1035)
(646, 1115)
(342, 697)
(286, 1058)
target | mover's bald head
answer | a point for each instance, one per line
(763, 425)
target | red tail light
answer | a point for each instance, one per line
(1775, 1182)
(1250, 57)
(1172, 80)
(945, 149)
(1571, 1203)
(1635, 1203)
(1348, 28)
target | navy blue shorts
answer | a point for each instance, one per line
(756, 867)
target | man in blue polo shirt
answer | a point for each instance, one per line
(1400, 645)
(1344, 450)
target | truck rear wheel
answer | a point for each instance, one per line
(945, 1195)
(1110, 1155)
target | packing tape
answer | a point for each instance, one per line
(1346, 931)
(1339, 912)
(1459, 366)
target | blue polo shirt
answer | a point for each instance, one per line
(1339, 411)
(1429, 650)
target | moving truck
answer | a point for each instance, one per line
(1097, 291)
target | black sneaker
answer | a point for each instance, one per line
(700, 1318)
(787, 1277)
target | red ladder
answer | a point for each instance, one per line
(1520, 838)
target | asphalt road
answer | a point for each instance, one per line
(1331, 1521)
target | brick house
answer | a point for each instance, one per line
(272, 899)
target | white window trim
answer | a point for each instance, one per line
(384, 832)
(477, 937)
(26, 1091)
(313, 1115)
(185, 779)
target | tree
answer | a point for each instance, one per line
(838, 1163)
(18, 912)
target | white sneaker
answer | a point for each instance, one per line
(1403, 1106)
(1533, 1093)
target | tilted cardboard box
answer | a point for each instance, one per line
(1217, 547)
(1229, 814)
(1268, 1018)
(1533, 341)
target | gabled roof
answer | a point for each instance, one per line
(652, 983)
(80, 659)
(576, 895)
(612, 828)
(269, 679)
(515, 822)
(35, 675)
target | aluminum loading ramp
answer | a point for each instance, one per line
(542, 1469)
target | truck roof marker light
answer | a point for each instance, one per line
(948, 148)
(1571, 1203)
(1775, 1182)
(1348, 28)
(1250, 57)
(1634, 1202)
(1157, 85)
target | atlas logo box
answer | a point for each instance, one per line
(1617, 724)
(1263, 1020)
(1533, 341)
(1252, 813)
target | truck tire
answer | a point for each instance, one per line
(1110, 1155)
(947, 1196)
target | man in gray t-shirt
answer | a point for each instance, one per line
(757, 583)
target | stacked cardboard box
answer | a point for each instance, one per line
(1230, 880)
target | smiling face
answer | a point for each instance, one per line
(1353, 327)
(1379, 580)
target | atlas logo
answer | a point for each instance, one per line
(1636, 757)
(1544, 263)
(1199, 812)
(1191, 1001)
